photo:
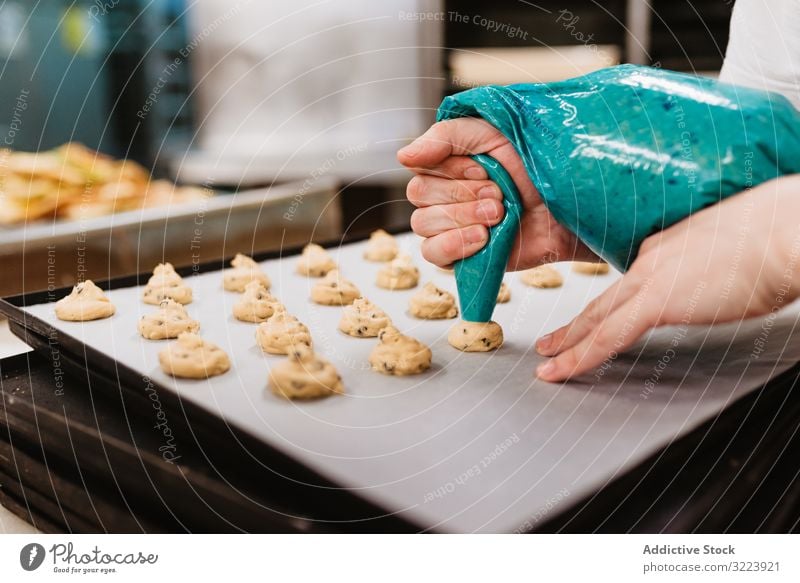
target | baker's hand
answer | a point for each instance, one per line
(456, 203)
(734, 260)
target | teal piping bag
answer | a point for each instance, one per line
(479, 276)
(625, 152)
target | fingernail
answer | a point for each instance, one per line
(544, 342)
(546, 368)
(474, 173)
(488, 192)
(488, 209)
(474, 235)
(412, 149)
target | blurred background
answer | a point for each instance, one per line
(279, 121)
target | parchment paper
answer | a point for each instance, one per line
(477, 443)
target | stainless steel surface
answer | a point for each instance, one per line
(477, 443)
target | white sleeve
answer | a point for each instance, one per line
(764, 47)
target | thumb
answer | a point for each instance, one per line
(455, 137)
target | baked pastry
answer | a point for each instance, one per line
(476, 336)
(85, 302)
(304, 375)
(334, 290)
(363, 319)
(166, 284)
(191, 357)
(281, 331)
(400, 273)
(543, 276)
(314, 261)
(381, 247)
(433, 303)
(504, 295)
(256, 304)
(244, 270)
(399, 355)
(590, 268)
(169, 321)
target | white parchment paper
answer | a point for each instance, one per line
(477, 443)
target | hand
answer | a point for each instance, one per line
(456, 203)
(731, 261)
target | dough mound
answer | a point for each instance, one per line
(244, 270)
(256, 305)
(432, 303)
(476, 336)
(363, 319)
(314, 261)
(165, 284)
(504, 295)
(381, 247)
(590, 268)
(85, 302)
(399, 355)
(400, 273)
(543, 276)
(169, 321)
(304, 375)
(191, 357)
(334, 290)
(280, 332)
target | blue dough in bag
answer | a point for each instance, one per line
(627, 151)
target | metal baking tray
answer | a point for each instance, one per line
(51, 254)
(475, 444)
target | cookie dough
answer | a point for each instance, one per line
(400, 273)
(191, 357)
(281, 331)
(504, 295)
(334, 290)
(244, 270)
(476, 336)
(433, 303)
(304, 375)
(85, 302)
(165, 284)
(169, 321)
(590, 268)
(363, 319)
(400, 355)
(381, 247)
(256, 305)
(543, 276)
(315, 261)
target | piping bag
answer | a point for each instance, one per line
(479, 276)
(620, 154)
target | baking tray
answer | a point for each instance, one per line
(477, 443)
(734, 473)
